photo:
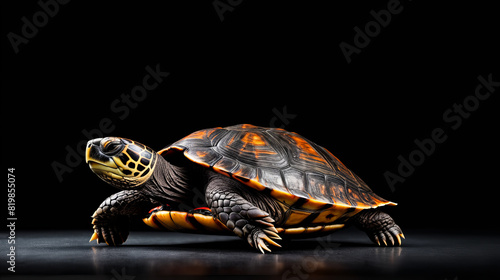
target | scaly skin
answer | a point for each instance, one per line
(379, 227)
(111, 220)
(240, 215)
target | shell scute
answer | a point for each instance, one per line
(203, 155)
(225, 164)
(338, 191)
(317, 185)
(296, 182)
(250, 148)
(272, 178)
(245, 173)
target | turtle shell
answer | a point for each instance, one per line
(306, 178)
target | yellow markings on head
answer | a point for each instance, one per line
(120, 162)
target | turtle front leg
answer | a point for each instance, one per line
(380, 227)
(241, 216)
(112, 219)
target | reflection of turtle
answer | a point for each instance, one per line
(257, 182)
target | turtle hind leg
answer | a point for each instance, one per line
(239, 215)
(380, 227)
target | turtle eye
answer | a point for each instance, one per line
(112, 147)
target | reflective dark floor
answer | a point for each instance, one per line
(347, 254)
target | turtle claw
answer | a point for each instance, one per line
(95, 236)
(399, 236)
(264, 222)
(259, 239)
(385, 243)
(262, 246)
(270, 241)
(272, 233)
(399, 240)
(389, 237)
(379, 227)
(112, 231)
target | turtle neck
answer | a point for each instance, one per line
(174, 182)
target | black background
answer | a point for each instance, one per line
(262, 58)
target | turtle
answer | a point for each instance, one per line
(261, 184)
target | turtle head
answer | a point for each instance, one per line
(121, 162)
